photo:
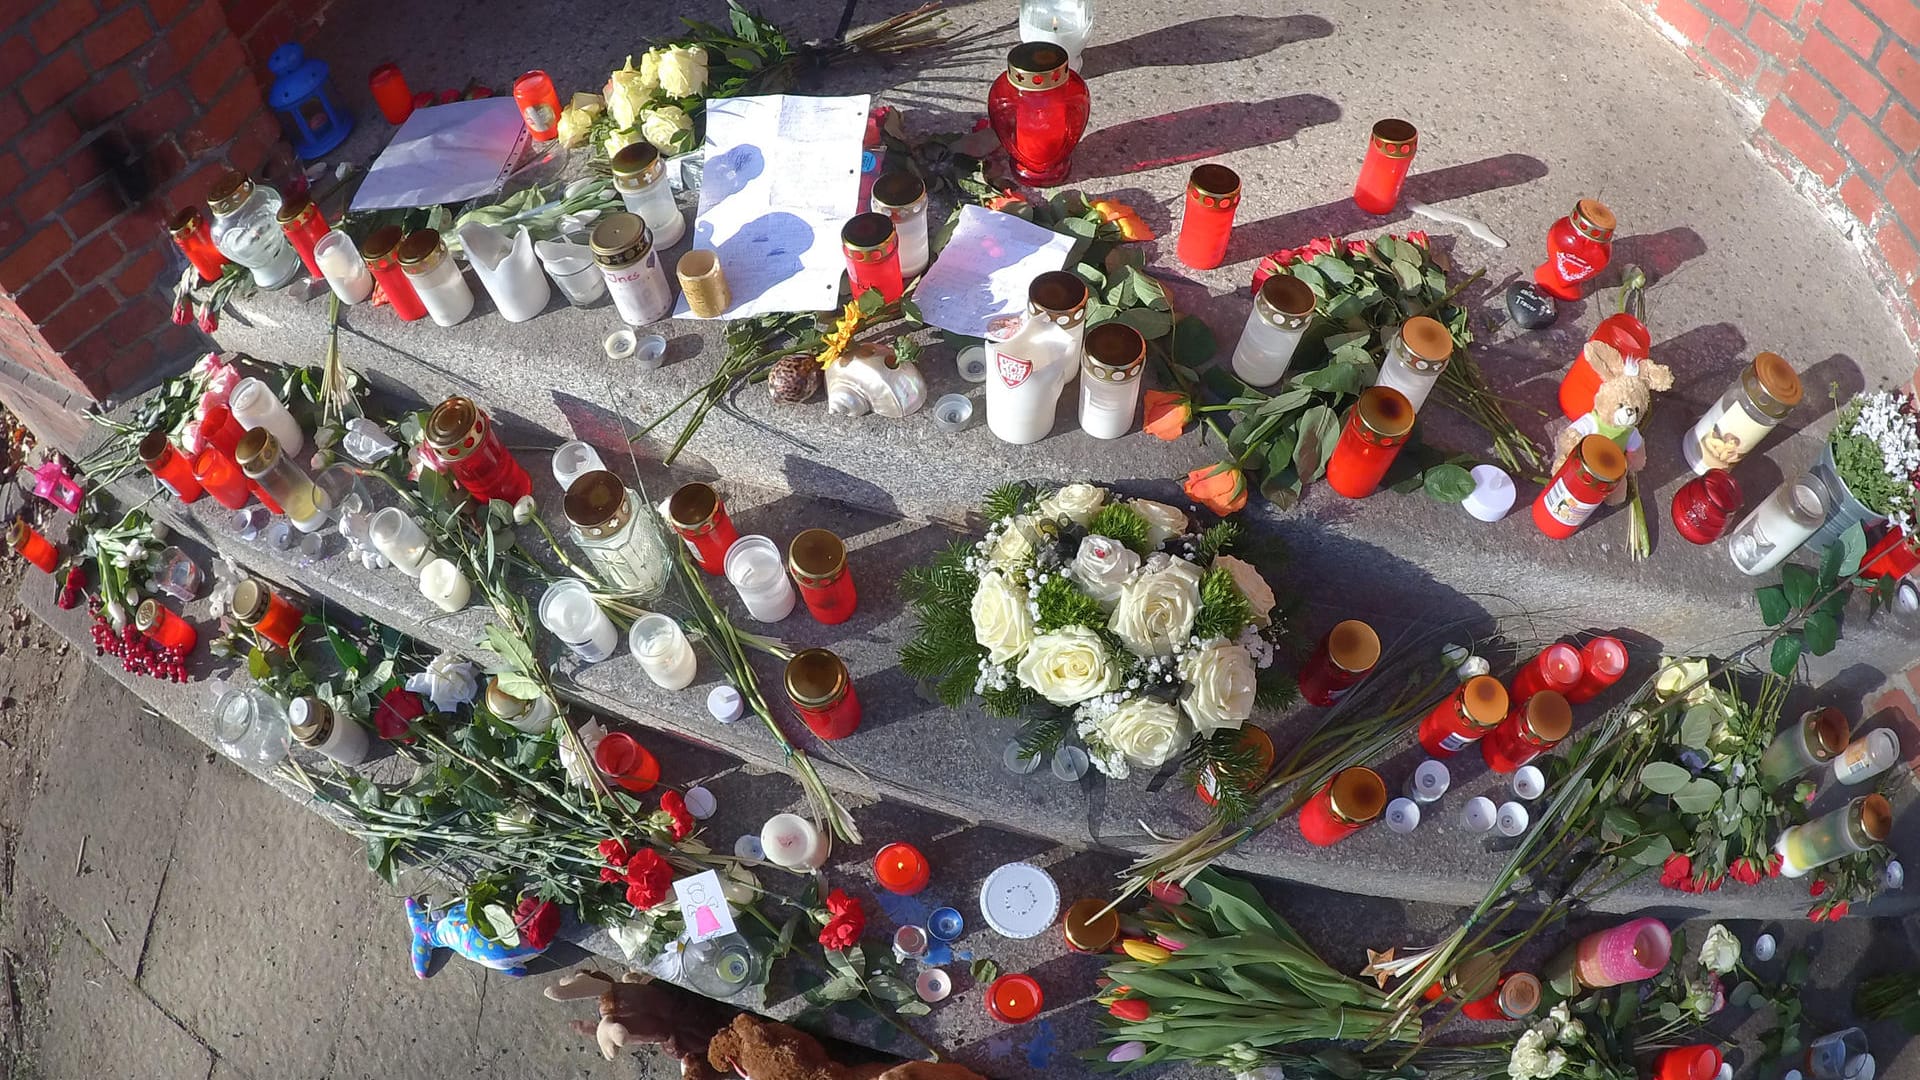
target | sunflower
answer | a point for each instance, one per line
(836, 342)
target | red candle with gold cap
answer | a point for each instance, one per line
(194, 238)
(1213, 194)
(379, 252)
(1378, 425)
(305, 226)
(1348, 803)
(1596, 466)
(539, 105)
(164, 628)
(901, 869)
(698, 515)
(1531, 729)
(1515, 998)
(817, 559)
(169, 466)
(271, 615)
(462, 436)
(821, 691)
(1579, 246)
(1339, 662)
(1252, 740)
(872, 247)
(1465, 717)
(1384, 172)
(31, 546)
(220, 476)
(1090, 926)
(1700, 1061)
(1038, 107)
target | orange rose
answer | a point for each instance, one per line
(1006, 200)
(1167, 414)
(1220, 488)
(1114, 212)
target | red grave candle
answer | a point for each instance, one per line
(390, 92)
(1339, 662)
(164, 628)
(1581, 382)
(872, 247)
(305, 226)
(194, 238)
(1698, 1062)
(1703, 506)
(1213, 193)
(539, 105)
(1557, 668)
(219, 428)
(1578, 248)
(1253, 739)
(1377, 427)
(1531, 729)
(1583, 482)
(169, 466)
(1465, 717)
(1894, 556)
(700, 518)
(33, 547)
(462, 436)
(1038, 107)
(621, 757)
(1602, 661)
(1515, 997)
(1014, 999)
(817, 559)
(378, 251)
(271, 615)
(822, 693)
(901, 869)
(1389, 156)
(220, 477)
(1347, 804)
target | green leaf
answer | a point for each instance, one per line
(1664, 777)
(1448, 484)
(1336, 269)
(1149, 291)
(870, 301)
(1091, 274)
(1343, 379)
(890, 989)
(257, 665)
(1319, 429)
(1773, 604)
(1750, 799)
(984, 971)
(1697, 726)
(1821, 632)
(1407, 274)
(1151, 324)
(1098, 313)
(1786, 655)
(1649, 850)
(1830, 566)
(1080, 227)
(1798, 583)
(916, 1007)
(1698, 797)
(1853, 543)
(1621, 821)
(1313, 278)
(1193, 342)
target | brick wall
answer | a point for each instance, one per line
(264, 25)
(1835, 88)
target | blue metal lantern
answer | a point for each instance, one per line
(315, 122)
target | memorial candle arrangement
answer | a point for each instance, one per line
(1384, 170)
(822, 693)
(1038, 108)
(818, 561)
(872, 248)
(1213, 195)
(699, 516)
(1339, 662)
(1350, 801)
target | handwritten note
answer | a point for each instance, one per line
(704, 907)
(444, 154)
(985, 269)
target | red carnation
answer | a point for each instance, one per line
(648, 879)
(396, 710)
(849, 921)
(1676, 872)
(674, 805)
(839, 903)
(1132, 1009)
(615, 851)
(539, 921)
(1746, 871)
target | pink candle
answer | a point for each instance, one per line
(1630, 952)
(1602, 661)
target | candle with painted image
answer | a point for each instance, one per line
(901, 869)
(1282, 311)
(443, 583)
(1778, 526)
(791, 841)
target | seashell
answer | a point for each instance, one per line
(867, 379)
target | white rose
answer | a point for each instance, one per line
(448, 681)
(1015, 545)
(1219, 678)
(1157, 608)
(1163, 522)
(1720, 951)
(1102, 566)
(1068, 666)
(580, 767)
(1001, 622)
(682, 70)
(1556, 1060)
(1146, 731)
(1075, 502)
(1529, 1058)
(662, 127)
(1572, 1032)
(628, 91)
(1259, 594)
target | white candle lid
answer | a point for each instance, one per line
(1896, 875)
(1403, 815)
(933, 985)
(1763, 947)
(1511, 819)
(1070, 763)
(1492, 494)
(1017, 761)
(1019, 900)
(700, 803)
(725, 703)
(1432, 778)
(749, 849)
(1528, 782)
(1479, 814)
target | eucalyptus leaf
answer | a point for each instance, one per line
(1664, 777)
(1448, 484)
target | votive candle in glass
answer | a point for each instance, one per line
(1630, 952)
(1384, 171)
(1556, 668)
(1733, 426)
(169, 466)
(818, 562)
(1066, 23)
(1778, 526)
(663, 651)
(261, 457)
(318, 728)
(391, 93)
(436, 278)
(901, 869)
(1416, 358)
(442, 583)
(1602, 662)
(793, 842)
(346, 272)
(1855, 827)
(1807, 743)
(1115, 356)
(1351, 800)
(699, 516)
(164, 628)
(27, 542)
(630, 262)
(1213, 194)
(1465, 717)
(1534, 727)
(1038, 109)
(219, 428)
(1515, 997)
(821, 690)
(192, 235)
(1339, 662)
(1090, 926)
(305, 227)
(254, 406)
(539, 105)
(872, 247)
(1014, 999)
(1700, 1061)
(219, 477)
(378, 251)
(624, 761)
(1704, 505)
(1282, 311)
(1583, 482)
(268, 613)
(568, 609)
(462, 436)
(640, 178)
(1377, 426)
(902, 196)
(752, 565)
(400, 539)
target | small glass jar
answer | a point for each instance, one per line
(1090, 926)
(1535, 726)
(1339, 662)
(195, 240)
(1384, 170)
(1282, 311)
(400, 539)
(1857, 826)
(1115, 356)
(1704, 505)
(663, 651)
(164, 628)
(271, 615)
(1465, 717)
(245, 231)
(305, 227)
(1602, 662)
(1038, 108)
(1583, 482)
(1515, 997)
(817, 559)
(1806, 744)
(169, 466)
(379, 252)
(219, 477)
(1630, 952)
(534, 717)
(568, 610)
(1732, 427)
(254, 406)
(1579, 246)
(391, 93)
(611, 526)
(753, 567)
(872, 248)
(625, 251)
(1778, 526)
(1556, 668)
(463, 438)
(1348, 803)
(1416, 359)
(573, 270)
(318, 728)
(1213, 194)
(621, 758)
(1378, 425)
(698, 515)
(539, 105)
(250, 727)
(305, 505)
(704, 284)
(822, 693)
(902, 196)
(1066, 23)
(27, 543)
(346, 272)
(641, 179)
(436, 278)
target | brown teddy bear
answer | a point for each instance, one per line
(760, 1049)
(636, 1011)
(1625, 397)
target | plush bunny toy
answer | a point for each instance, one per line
(1625, 396)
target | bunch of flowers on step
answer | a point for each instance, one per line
(1876, 450)
(1103, 617)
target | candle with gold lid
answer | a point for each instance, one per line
(463, 437)
(821, 690)
(1515, 997)
(817, 559)
(902, 196)
(1857, 826)
(1730, 429)
(1466, 716)
(1213, 194)
(699, 516)
(1384, 170)
(1352, 799)
(1115, 356)
(872, 247)
(1808, 742)
(607, 520)
(1282, 311)
(260, 458)
(1090, 926)
(1474, 977)
(317, 727)
(1339, 662)
(1534, 727)
(1415, 359)
(437, 281)
(1377, 426)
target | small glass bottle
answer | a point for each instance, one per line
(1578, 248)
(1732, 427)
(539, 105)
(1534, 727)
(1282, 311)
(611, 526)
(245, 231)
(1778, 526)
(1556, 668)
(27, 542)
(1704, 505)
(641, 179)
(254, 406)
(346, 272)
(872, 248)
(400, 539)
(624, 249)
(260, 457)
(1038, 107)
(1630, 952)
(902, 196)
(1515, 997)
(164, 628)
(1465, 717)
(379, 251)
(1857, 826)
(1807, 743)
(1339, 662)
(663, 651)
(1027, 371)
(1115, 356)
(219, 477)
(270, 615)
(1416, 358)
(698, 515)
(169, 466)
(1066, 23)
(304, 227)
(436, 278)
(1213, 194)
(195, 240)
(1596, 466)
(568, 610)
(1602, 662)
(753, 567)
(817, 559)
(1348, 803)
(821, 691)
(1377, 426)
(463, 438)
(1384, 170)
(250, 726)
(318, 728)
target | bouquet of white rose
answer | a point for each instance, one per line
(1094, 615)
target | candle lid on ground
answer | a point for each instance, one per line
(910, 941)
(1070, 763)
(1017, 760)
(725, 704)
(1492, 495)
(1528, 783)
(749, 849)
(1403, 815)
(1511, 819)
(1019, 900)
(946, 924)
(1479, 814)
(700, 803)
(933, 985)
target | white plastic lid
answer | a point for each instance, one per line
(749, 849)
(1511, 819)
(1764, 947)
(725, 703)
(1860, 1067)
(1019, 900)
(700, 803)
(1403, 815)
(1528, 782)
(1492, 494)
(1479, 814)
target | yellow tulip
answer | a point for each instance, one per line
(1145, 951)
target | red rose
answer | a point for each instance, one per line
(839, 903)
(539, 921)
(1838, 911)
(1714, 885)
(1676, 872)
(615, 852)
(1817, 888)
(649, 877)
(1132, 1009)
(674, 805)
(1774, 862)
(1746, 871)
(396, 710)
(1417, 236)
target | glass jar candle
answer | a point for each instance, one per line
(1596, 466)
(346, 272)
(169, 466)
(195, 240)
(568, 610)
(609, 523)
(164, 628)
(822, 693)
(752, 565)
(1602, 661)
(902, 196)
(1066, 23)
(1556, 668)
(1213, 194)
(27, 543)
(255, 407)
(305, 227)
(1416, 358)
(1628, 335)
(539, 105)
(1038, 108)
(1377, 426)
(872, 248)
(1027, 369)
(1350, 801)
(1090, 926)
(1115, 356)
(663, 651)
(794, 843)
(901, 869)
(535, 717)
(221, 478)
(378, 250)
(1867, 757)
(818, 561)
(1701, 1061)
(625, 251)
(1704, 505)
(1730, 429)
(318, 728)
(1384, 170)
(1465, 717)
(640, 177)
(245, 231)
(250, 727)
(1515, 997)
(1535, 726)
(704, 284)
(268, 613)
(622, 759)
(1778, 526)
(391, 93)
(572, 268)
(1339, 662)
(463, 438)
(260, 457)
(400, 539)
(436, 278)
(1857, 826)
(1578, 248)
(1282, 311)
(442, 583)
(1630, 952)
(698, 515)
(1807, 743)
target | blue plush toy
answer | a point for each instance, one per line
(454, 931)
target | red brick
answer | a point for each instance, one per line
(1851, 26)
(224, 118)
(1902, 69)
(93, 210)
(244, 15)
(112, 93)
(121, 35)
(42, 298)
(1731, 11)
(163, 163)
(1772, 37)
(139, 228)
(1895, 709)
(51, 84)
(278, 28)
(1844, 73)
(78, 318)
(1783, 8)
(139, 274)
(1901, 16)
(1860, 199)
(213, 71)
(17, 55)
(157, 117)
(58, 25)
(1683, 16)
(12, 173)
(1804, 143)
(42, 197)
(1903, 195)
(49, 142)
(39, 251)
(1865, 146)
(91, 260)
(1727, 49)
(1899, 253)
(1805, 90)
(1769, 83)
(1901, 127)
